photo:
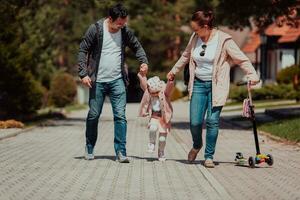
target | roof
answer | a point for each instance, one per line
(239, 36)
(252, 43)
(275, 30)
(285, 32)
(291, 35)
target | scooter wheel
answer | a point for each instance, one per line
(270, 160)
(251, 162)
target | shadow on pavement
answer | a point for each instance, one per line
(98, 157)
(183, 161)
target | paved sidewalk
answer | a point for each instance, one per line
(47, 163)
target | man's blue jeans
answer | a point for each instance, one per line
(201, 103)
(117, 94)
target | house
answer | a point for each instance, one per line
(240, 37)
(275, 49)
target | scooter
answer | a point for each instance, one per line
(248, 112)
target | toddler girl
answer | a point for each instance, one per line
(156, 103)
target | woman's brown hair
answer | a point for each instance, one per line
(204, 16)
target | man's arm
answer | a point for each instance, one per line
(133, 43)
(84, 48)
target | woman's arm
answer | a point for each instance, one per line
(185, 57)
(239, 58)
(135, 46)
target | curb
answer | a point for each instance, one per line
(13, 134)
(260, 132)
(278, 139)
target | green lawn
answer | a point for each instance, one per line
(75, 107)
(262, 104)
(287, 128)
(52, 113)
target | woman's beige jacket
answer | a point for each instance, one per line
(227, 52)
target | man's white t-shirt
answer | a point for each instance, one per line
(109, 68)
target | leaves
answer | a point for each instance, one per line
(40, 37)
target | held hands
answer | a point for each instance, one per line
(170, 76)
(87, 81)
(252, 83)
(143, 69)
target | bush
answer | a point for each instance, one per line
(11, 124)
(271, 91)
(237, 93)
(274, 91)
(287, 75)
(20, 94)
(63, 90)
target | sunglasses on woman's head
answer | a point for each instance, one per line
(202, 53)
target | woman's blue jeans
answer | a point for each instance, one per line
(117, 94)
(201, 104)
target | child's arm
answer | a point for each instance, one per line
(143, 81)
(169, 87)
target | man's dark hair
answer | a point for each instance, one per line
(117, 11)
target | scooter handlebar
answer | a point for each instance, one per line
(241, 83)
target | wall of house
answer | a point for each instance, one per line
(287, 58)
(298, 57)
(272, 65)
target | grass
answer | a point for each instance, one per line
(262, 104)
(236, 103)
(75, 107)
(287, 128)
(67, 109)
(51, 113)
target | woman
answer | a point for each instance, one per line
(208, 54)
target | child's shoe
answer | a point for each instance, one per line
(151, 148)
(161, 156)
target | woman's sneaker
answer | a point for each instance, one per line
(208, 163)
(89, 153)
(192, 155)
(151, 148)
(161, 156)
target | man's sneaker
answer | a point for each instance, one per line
(89, 152)
(151, 148)
(161, 156)
(208, 163)
(122, 159)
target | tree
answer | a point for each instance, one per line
(157, 25)
(20, 93)
(237, 14)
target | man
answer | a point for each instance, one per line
(101, 68)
